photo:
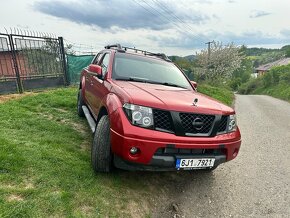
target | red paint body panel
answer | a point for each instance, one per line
(169, 98)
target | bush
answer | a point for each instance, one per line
(275, 83)
(235, 83)
(250, 86)
(278, 73)
(285, 78)
(268, 79)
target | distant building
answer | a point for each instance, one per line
(261, 70)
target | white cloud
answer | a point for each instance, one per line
(256, 13)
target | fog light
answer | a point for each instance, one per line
(134, 150)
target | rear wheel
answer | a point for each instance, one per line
(80, 103)
(101, 149)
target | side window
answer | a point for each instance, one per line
(105, 63)
(96, 59)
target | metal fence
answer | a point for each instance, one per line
(31, 62)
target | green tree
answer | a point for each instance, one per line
(287, 53)
(186, 65)
(242, 74)
(221, 64)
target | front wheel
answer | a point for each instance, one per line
(101, 154)
(80, 103)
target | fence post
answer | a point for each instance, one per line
(66, 79)
(15, 64)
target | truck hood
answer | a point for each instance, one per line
(168, 98)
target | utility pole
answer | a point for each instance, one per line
(208, 54)
(208, 49)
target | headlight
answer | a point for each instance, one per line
(232, 125)
(139, 115)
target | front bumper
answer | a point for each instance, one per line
(124, 136)
(149, 159)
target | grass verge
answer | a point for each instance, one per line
(256, 86)
(281, 91)
(222, 94)
(45, 164)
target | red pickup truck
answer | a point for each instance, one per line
(147, 115)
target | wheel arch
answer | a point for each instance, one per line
(103, 111)
(110, 104)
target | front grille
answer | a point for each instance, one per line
(223, 124)
(162, 120)
(205, 123)
(188, 124)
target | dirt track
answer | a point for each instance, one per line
(256, 184)
(4, 98)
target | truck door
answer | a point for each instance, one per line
(99, 90)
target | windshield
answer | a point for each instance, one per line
(141, 69)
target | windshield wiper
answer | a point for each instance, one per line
(144, 80)
(172, 84)
(134, 79)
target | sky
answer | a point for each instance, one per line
(174, 27)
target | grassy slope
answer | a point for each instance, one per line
(222, 94)
(281, 91)
(45, 163)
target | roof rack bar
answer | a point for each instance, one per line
(124, 48)
(161, 55)
(118, 46)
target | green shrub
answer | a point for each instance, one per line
(275, 82)
(276, 72)
(242, 89)
(267, 79)
(220, 93)
(235, 83)
(285, 78)
(250, 86)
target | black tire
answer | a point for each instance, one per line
(101, 155)
(80, 103)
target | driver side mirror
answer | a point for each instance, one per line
(194, 84)
(96, 69)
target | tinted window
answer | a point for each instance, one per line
(128, 66)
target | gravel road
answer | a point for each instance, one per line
(255, 184)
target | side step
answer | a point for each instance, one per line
(89, 117)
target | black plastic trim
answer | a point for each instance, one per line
(216, 124)
(179, 131)
(162, 163)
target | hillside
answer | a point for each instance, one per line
(187, 58)
(261, 56)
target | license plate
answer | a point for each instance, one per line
(195, 163)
